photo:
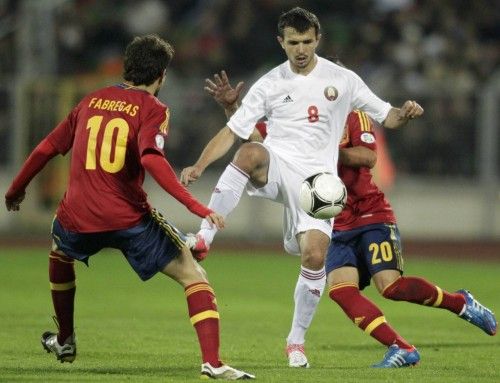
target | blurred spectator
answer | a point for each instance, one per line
(442, 52)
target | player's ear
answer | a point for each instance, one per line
(281, 41)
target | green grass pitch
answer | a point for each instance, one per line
(130, 331)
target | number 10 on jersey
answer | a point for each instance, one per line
(109, 163)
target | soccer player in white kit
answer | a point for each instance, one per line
(306, 101)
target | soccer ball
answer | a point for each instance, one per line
(323, 195)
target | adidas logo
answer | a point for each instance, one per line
(287, 99)
(315, 292)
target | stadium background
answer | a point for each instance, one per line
(445, 186)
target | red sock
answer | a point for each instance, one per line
(204, 317)
(365, 314)
(418, 290)
(63, 288)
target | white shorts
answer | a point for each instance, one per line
(283, 185)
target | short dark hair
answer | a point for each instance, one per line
(146, 57)
(299, 19)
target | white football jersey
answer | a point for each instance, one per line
(306, 114)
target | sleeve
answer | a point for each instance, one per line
(31, 167)
(162, 172)
(361, 130)
(154, 130)
(63, 135)
(252, 109)
(363, 98)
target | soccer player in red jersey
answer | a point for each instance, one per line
(366, 245)
(115, 134)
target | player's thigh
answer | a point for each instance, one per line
(341, 263)
(343, 275)
(381, 248)
(184, 269)
(150, 245)
(79, 246)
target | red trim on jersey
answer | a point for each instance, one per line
(162, 172)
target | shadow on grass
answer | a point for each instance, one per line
(436, 345)
(139, 371)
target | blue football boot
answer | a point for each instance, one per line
(477, 314)
(396, 357)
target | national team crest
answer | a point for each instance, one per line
(159, 141)
(331, 93)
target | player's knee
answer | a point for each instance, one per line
(202, 273)
(384, 279)
(393, 290)
(185, 270)
(192, 273)
(342, 292)
(250, 156)
(313, 259)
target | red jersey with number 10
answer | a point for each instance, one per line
(108, 131)
(366, 204)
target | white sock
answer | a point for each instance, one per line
(225, 197)
(308, 291)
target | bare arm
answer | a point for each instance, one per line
(398, 117)
(357, 157)
(162, 172)
(218, 146)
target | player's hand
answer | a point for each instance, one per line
(190, 174)
(13, 202)
(216, 220)
(222, 91)
(410, 110)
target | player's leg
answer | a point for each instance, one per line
(203, 313)
(201, 303)
(63, 287)
(392, 285)
(420, 291)
(157, 246)
(67, 246)
(250, 163)
(347, 272)
(308, 290)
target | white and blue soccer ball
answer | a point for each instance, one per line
(323, 195)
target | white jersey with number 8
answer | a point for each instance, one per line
(306, 114)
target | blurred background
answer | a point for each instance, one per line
(441, 172)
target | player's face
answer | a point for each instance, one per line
(300, 48)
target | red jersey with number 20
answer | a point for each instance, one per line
(366, 204)
(108, 131)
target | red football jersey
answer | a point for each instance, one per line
(366, 204)
(107, 132)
